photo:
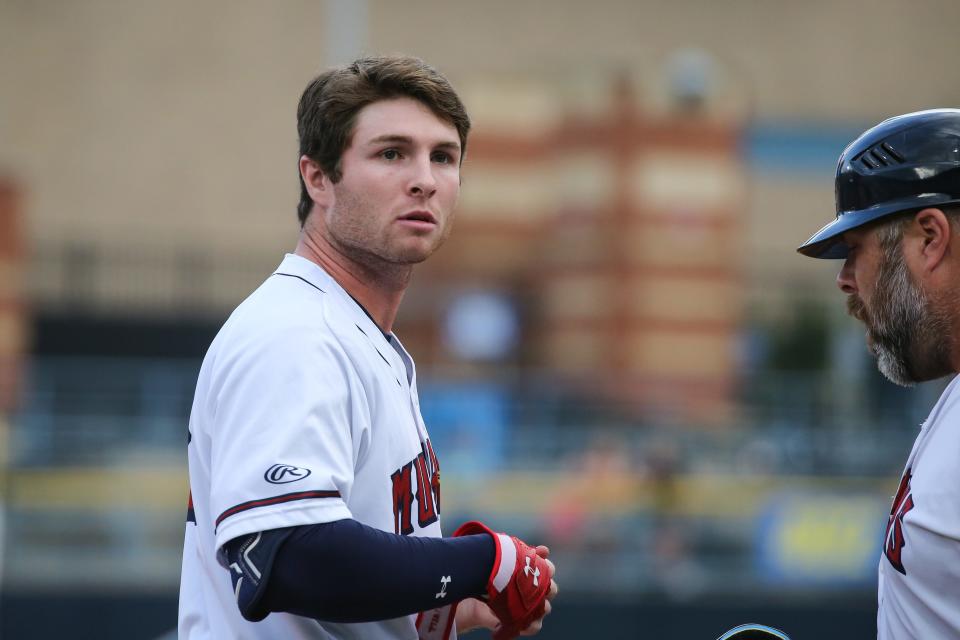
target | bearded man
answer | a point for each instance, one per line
(897, 226)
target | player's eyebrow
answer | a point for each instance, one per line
(394, 138)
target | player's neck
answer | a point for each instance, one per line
(378, 289)
(953, 333)
(943, 295)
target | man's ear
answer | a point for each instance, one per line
(932, 234)
(318, 185)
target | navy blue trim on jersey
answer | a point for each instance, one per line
(191, 515)
(345, 571)
(293, 275)
(382, 357)
(362, 308)
(263, 502)
(386, 335)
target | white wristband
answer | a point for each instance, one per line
(508, 562)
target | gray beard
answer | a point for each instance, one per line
(908, 336)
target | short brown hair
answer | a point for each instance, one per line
(330, 103)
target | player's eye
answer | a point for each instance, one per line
(390, 154)
(442, 157)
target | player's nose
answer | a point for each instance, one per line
(422, 181)
(845, 278)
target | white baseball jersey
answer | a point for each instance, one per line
(919, 584)
(305, 412)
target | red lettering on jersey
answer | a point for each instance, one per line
(893, 540)
(428, 491)
(435, 476)
(426, 514)
(402, 499)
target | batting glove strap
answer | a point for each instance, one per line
(519, 582)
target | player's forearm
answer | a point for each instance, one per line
(345, 571)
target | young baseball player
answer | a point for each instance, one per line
(315, 491)
(897, 225)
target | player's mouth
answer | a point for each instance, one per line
(419, 219)
(857, 309)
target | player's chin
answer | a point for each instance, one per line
(415, 250)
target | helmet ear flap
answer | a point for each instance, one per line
(906, 163)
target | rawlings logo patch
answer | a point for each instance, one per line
(284, 473)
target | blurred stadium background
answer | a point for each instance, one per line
(621, 355)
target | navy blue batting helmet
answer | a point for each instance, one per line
(903, 164)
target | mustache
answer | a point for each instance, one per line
(856, 308)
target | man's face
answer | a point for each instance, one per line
(400, 182)
(904, 330)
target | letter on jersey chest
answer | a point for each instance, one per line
(420, 479)
(893, 541)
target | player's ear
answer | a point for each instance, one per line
(317, 183)
(932, 236)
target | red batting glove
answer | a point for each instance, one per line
(518, 584)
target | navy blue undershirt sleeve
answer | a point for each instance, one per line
(345, 571)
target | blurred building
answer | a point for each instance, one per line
(623, 268)
(612, 238)
(171, 140)
(14, 340)
(158, 166)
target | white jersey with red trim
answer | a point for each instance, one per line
(919, 584)
(304, 413)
